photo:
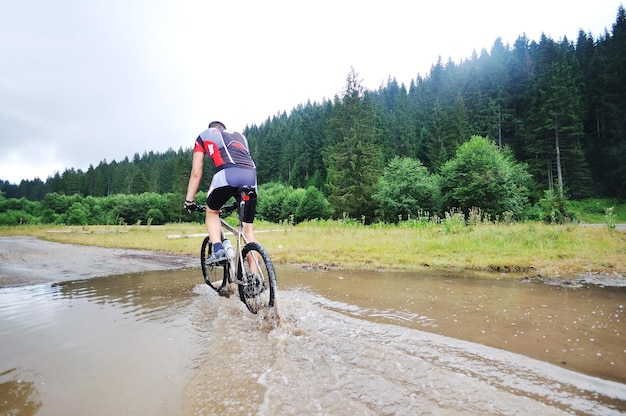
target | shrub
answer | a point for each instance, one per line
(405, 189)
(481, 175)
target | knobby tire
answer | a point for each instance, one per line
(266, 284)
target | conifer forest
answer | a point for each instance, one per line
(544, 116)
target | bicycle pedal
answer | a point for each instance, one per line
(218, 263)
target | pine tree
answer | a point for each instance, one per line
(139, 184)
(354, 163)
(180, 177)
(556, 120)
(612, 107)
(438, 146)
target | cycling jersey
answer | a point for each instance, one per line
(234, 167)
(225, 148)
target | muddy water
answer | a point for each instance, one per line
(583, 329)
(351, 343)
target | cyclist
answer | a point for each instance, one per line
(234, 168)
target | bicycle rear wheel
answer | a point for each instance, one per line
(257, 284)
(216, 276)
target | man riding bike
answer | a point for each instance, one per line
(234, 168)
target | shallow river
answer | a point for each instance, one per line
(161, 343)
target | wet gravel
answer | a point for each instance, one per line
(22, 260)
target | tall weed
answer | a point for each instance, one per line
(609, 217)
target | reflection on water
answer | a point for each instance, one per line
(102, 346)
(162, 343)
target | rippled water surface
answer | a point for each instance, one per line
(162, 343)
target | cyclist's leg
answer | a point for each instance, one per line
(238, 177)
(213, 226)
(249, 213)
(248, 228)
(248, 231)
(217, 196)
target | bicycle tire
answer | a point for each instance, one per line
(214, 276)
(257, 290)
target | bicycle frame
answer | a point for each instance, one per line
(236, 261)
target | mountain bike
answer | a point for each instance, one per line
(248, 264)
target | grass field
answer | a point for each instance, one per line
(529, 249)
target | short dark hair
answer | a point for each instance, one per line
(215, 123)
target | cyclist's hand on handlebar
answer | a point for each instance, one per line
(190, 206)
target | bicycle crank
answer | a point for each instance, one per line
(253, 286)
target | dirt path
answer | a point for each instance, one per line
(28, 260)
(618, 227)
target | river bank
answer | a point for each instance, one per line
(23, 258)
(558, 254)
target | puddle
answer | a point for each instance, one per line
(161, 343)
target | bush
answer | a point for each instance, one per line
(18, 217)
(554, 209)
(405, 190)
(278, 202)
(480, 175)
(313, 206)
(78, 214)
(155, 216)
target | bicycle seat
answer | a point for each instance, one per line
(246, 192)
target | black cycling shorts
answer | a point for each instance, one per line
(219, 196)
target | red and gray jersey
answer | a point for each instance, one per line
(226, 148)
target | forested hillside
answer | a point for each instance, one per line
(544, 100)
(557, 107)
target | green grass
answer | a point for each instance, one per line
(594, 211)
(530, 249)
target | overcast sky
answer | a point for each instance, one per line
(83, 81)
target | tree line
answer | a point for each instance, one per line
(555, 108)
(481, 180)
(159, 173)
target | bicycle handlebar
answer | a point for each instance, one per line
(226, 209)
(245, 191)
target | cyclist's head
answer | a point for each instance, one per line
(218, 125)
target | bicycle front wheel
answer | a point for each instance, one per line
(257, 280)
(216, 276)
